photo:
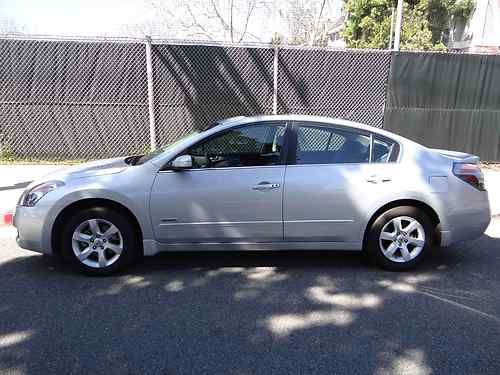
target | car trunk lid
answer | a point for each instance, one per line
(457, 156)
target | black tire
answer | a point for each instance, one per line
(372, 246)
(131, 241)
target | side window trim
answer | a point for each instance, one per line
(283, 156)
(372, 140)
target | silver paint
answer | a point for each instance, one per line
(325, 206)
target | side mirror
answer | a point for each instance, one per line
(182, 162)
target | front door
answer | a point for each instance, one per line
(233, 193)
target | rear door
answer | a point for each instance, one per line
(325, 183)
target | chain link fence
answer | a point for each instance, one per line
(72, 100)
(195, 86)
(348, 84)
(88, 99)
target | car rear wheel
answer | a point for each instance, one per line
(400, 238)
(99, 241)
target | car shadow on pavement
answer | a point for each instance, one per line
(258, 312)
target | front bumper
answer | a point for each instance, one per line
(32, 231)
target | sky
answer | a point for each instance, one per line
(129, 17)
(74, 17)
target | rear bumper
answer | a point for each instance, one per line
(467, 224)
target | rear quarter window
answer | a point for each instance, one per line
(384, 150)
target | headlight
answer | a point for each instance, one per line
(32, 196)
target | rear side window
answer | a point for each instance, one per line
(323, 145)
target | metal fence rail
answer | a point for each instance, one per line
(87, 99)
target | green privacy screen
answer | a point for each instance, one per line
(449, 101)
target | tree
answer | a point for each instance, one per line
(426, 23)
(217, 20)
(307, 21)
(300, 22)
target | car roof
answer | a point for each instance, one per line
(240, 120)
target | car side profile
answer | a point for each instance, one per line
(260, 183)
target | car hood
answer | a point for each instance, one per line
(91, 169)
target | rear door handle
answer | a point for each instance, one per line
(263, 186)
(375, 179)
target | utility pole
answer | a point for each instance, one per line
(399, 20)
(392, 28)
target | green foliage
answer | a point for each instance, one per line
(6, 154)
(368, 23)
(426, 23)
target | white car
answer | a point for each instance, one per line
(260, 183)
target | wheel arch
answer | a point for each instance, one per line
(90, 203)
(405, 202)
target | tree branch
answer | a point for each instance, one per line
(219, 16)
(315, 26)
(196, 24)
(251, 7)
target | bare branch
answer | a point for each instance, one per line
(251, 7)
(227, 20)
(315, 27)
(197, 24)
(219, 16)
(231, 19)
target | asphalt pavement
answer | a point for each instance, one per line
(254, 313)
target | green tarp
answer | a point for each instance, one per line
(448, 101)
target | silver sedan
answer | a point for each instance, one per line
(260, 183)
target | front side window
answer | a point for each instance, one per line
(247, 146)
(324, 145)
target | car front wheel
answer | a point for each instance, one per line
(99, 241)
(400, 238)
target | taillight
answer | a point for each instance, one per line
(470, 173)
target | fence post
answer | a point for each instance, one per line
(275, 81)
(399, 20)
(2, 154)
(151, 97)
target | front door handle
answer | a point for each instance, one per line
(263, 186)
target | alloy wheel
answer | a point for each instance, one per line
(402, 239)
(97, 243)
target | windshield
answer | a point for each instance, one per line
(145, 158)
